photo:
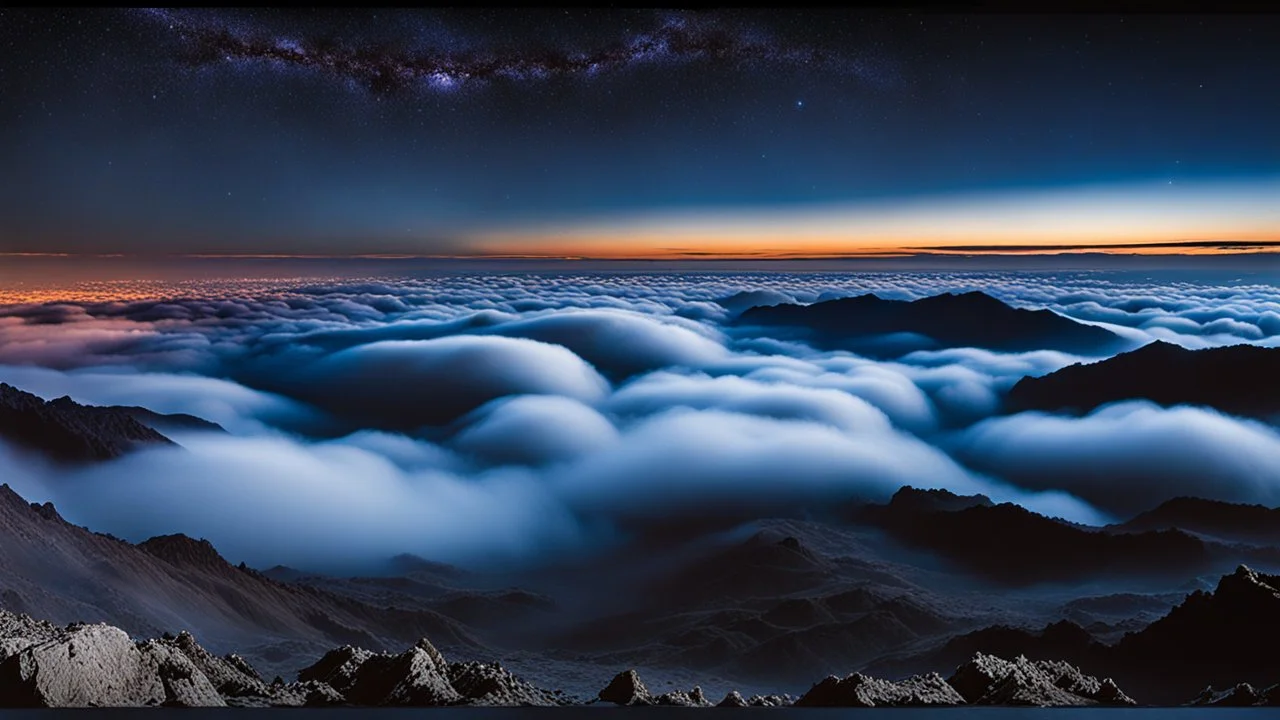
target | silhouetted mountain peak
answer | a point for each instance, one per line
(972, 299)
(910, 499)
(69, 431)
(1237, 379)
(1246, 583)
(950, 320)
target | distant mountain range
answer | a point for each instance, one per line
(68, 431)
(876, 326)
(1010, 544)
(1239, 379)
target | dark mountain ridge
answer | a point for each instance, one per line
(1255, 524)
(68, 431)
(1009, 544)
(971, 319)
(1238, 379)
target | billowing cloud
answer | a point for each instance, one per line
(535, 430)
(622, 344)
(508, 418)
(404, 384)
(1129, 457)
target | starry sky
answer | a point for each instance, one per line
(635, 133)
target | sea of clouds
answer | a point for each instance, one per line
(500, 419)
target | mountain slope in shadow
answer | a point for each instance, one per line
(68, 431)
(1239, 379)
(53, 569)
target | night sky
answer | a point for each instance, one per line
(633, 133)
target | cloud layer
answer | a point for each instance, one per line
(510, 418)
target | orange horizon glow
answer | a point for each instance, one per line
(1152, 218)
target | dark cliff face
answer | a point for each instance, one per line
(1240, 379)
(971, 319)
(69, 432)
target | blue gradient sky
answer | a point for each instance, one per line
(632, 133)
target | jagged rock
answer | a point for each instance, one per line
(416, 677)
(989, 680)
(492, 685)
(183, 683)
(337, 668)
(858, 690)
(19, 631)
(626, 688)
(680, 698)
(100, 666)
(231, 676)
(311, 693)
(770, 701)
(733, 699)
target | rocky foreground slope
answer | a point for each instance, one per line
(82, 665)
(50, 568)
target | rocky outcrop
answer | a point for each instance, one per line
(491, 684)
(626, 688)
(680, 698)
(734, 699)
(989, 680)
(858, 690)
(421, 677)
(231, 675)
(101, 666)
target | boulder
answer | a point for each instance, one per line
(101, 666)
(626, 688)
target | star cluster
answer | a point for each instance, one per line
(441, 64)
